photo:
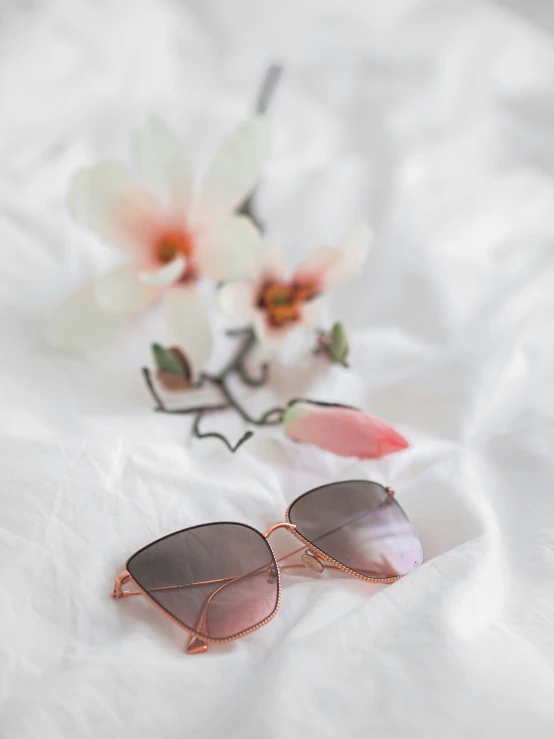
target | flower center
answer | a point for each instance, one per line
(283, 301)
(172, 244)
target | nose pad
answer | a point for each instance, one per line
(271, 574)
(310, 561)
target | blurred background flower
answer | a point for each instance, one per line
(172, 234)
(275, 305)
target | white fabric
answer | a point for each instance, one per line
(433, 121)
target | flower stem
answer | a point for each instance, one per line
(263, 98)
(236, 364)
(270, 82)
(253, 381)
(160, 405)
(215, 435)
(264, 420)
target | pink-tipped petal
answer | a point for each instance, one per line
(164, 166)
(187, 323)
(236, 169)
(105, 199)
(328, 266)
(236, 299)
(347, 432)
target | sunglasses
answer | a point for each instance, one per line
(221, 581)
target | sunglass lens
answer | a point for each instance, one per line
(360, 525)
(218, 579)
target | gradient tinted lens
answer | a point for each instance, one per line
(360, 525)
(219, 579)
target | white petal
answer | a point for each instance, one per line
(270, 263)
(272, 338)
(329, 266)
(164, 166)
(312, 312)
(166, 275)
(80, 323)
(236, 168)
(105, 199)
(111, 178)
(121, 291)
(227, 249)
(237, 300)
(187, 323)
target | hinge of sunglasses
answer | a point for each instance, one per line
(390, 491)
(196, 644)
(122, 579)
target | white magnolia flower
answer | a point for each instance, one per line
(274, 304)
(172, 235)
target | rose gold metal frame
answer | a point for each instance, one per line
(312, 557)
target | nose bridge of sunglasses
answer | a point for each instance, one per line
(281, 525)
(309, 558)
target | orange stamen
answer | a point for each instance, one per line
(283, 301)
(172, 244)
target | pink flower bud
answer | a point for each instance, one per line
(346, 431)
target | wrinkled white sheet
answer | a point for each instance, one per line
(433, 120)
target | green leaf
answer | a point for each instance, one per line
(338, 347)
(166, 361)
(294, 411)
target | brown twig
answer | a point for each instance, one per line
(253, 381)
(271, 80)
(265, 94)
(160, 405)
(235, 365)
(233, 402)
(215, 435)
